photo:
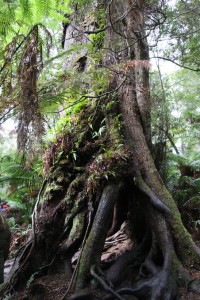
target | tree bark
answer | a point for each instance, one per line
(135, 108)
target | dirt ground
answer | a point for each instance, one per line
(54, 286)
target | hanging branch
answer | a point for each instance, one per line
(14, 50)
(30, 128)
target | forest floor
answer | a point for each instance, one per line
(54, 286)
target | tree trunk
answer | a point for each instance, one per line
(80, 196)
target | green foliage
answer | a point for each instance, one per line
(20, 185)
(184, 105)
(80, 2)
(183, 178)
(63, 95)
(16, 17)
(184, 184)
(7, 296)
(97, 39)
(106, 166)
(101, 129)
(182, 32)
(175, 113)
(52, 82)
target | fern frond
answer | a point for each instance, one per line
(13, 173)
(43, 7)
(26, 9)
(178, 159)
(5, 22)
(195, 165)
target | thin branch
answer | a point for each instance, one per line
(82, 98)
(95, 31)
(106, 27)
(103, 283)
(168, 135)
(123, 49)
(112, 23)
(188, 10)
(35, 211)
(5, 114)
(177, 64)
(14, 52)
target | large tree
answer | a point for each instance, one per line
(100, 172)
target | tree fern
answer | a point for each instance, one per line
(12, 172)
(26, 9)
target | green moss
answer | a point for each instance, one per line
(57, 171)
(60, 179)
(63, 162)
(52, 190)
(76, 230)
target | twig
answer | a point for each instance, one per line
(33, 222)
(17, 48)
(82, 98)
(34, 215)
(179, 65)
(103, 283)
(9, 110)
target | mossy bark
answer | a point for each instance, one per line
(96, 239)
(135, 109)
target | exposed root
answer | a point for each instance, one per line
(194, 286)
(163, 285)
(90, 210)
(161, 277)
(116, 245)
(129, 260)
(104, 283)
(156, 201)
(82, 295)
(97, 236)
(148, 265)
